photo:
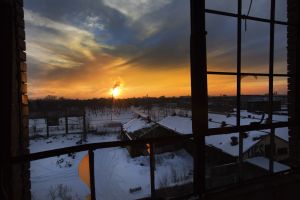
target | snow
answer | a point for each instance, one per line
(39, 126)
(223, 142)
(115, 171)
(276, 117)
(139, 112)
(136, 124)
(182, 125)
(263, 162)
(47, 173)
(282, 133)
(98, 119)
(119, 172)
(219, 118)
(173, 168)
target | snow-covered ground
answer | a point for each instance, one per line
(96, 120)
(50, 172)
(115, 171)
(39, 126)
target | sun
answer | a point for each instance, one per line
(115, 91)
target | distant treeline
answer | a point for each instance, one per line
(51, 103)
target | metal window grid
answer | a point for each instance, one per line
(199, 97)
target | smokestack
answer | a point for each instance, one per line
(117, 84)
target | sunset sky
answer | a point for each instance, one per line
(82, 48)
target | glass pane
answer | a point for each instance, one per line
(256, 160)
(255, 47)
(221, 103)
(221, 43)
(59, 177)
(259, 9)
(281, 10)
(121, 175)
(173, 169)
(222, 5)
(280, 49)
(280, 105)
(95, 66)
(221, 155)
(254, 100)
(282, 145)
(65, 173)
(258, 154)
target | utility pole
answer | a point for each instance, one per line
(84, 128)
(47, 126)
(66, 122)
(112, 106)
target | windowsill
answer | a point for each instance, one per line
(272, 187)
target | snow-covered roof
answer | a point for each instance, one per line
(282, 133)
(181, 125)
(139, 112)
(223, 142)
(263, 162)
(136, 124)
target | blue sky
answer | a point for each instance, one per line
(80, 48)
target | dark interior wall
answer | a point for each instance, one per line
(6, 85)
(15, 182)
(293, 82)
(285, 189)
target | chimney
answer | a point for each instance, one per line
(234, 141)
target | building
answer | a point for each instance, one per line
(262, 106)
(222, 151)
(141, 128)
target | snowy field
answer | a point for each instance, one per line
(96, 120)
(115, 171)
(46, 174)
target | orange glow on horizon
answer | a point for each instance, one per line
(145, 81)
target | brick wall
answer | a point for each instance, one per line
(294, 78)
(15, 183)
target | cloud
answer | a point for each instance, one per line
(159, 39)
(134, 9)
(94, 22)
(58, 43)
(63, 57)
(80, 47)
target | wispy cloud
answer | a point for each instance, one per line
(78, 48)
(58, 43)
(134, 9)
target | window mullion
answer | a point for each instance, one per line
(199, 91)
(271, 72)
(238, 82)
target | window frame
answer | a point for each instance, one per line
(199, 96)
(201, 130)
